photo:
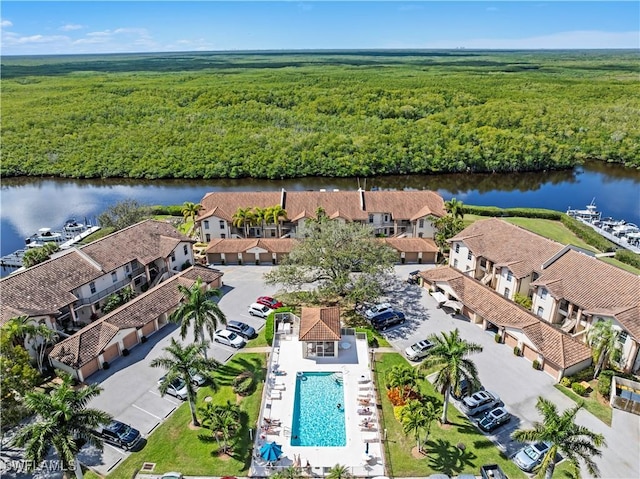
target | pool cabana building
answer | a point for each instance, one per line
(320, 332)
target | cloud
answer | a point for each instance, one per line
(5, 23)
(70, 27)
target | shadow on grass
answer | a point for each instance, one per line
(226, 373)
(447, 458)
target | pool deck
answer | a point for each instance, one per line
(278, 402)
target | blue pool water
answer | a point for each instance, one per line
(317, 420)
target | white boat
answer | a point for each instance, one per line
(45, 235)
(590, 214)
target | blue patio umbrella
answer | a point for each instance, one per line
(270, 451)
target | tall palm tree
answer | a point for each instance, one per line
(413, 422)
(243, 218)
(450, 353)
(260, 217)
(339, 472)
(277, 214)
(181, 363)
(574, 441)
(62, 421)
(23, 331)
(455, 208)
(222, 420)
(602, 338)
(198, 309)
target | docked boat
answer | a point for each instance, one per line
(590, 214)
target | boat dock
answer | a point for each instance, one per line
(622, 241)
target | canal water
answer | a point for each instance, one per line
(28, 204)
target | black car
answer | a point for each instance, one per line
(119, 434)
(241, 329)
(387, 319)
(414, 277)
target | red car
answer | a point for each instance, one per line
(269, 301)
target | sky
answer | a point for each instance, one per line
(72, 27)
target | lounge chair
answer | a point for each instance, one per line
(279, 387)
(275, 395)
(364, 411)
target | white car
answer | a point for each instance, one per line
(259, 310)
(229, 338)
(419, 350)
(177, 388)
(478, 402)
(377, 309)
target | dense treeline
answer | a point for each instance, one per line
(291, 115)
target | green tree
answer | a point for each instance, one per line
(603, 340)
(289, 472)
(342, 259)
(413, 422)
(277, 215)
(573, 441)
(446, 227)
(34, 256)
(455, 208)
(62, 422)
(25, 332)
(243, 218)
(522, 300)
(449, 354)
(190, 210)
(339, 472)
(124, 213)
(199, 310)
(223, 420)
(403, 377)
(260, 217)
(181, 362)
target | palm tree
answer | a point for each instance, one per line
(198, 309)
(190, 210)
(62, 422)
(23, 331)
(260, 217)
(339, 472)
(181, 363)
(402, 377)
(573, 441)
(450, 353)
(602, 338)
(277, 214)
(413, 422)
(222, 420)
(288, 473)
(242, 218)
(430, 412)
(455, 208)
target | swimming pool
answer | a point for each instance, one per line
(317, 420)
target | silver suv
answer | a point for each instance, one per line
(478, 402)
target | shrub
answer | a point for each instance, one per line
(587, 234)
(498, 338)
(143, 339)
(517, 351)
(579, 389)
(125, 352)
(536, 364)
(628, 257)
(185, 265)
(243, 384)
(520, 212)
(604, 385)
(584, 375)
(396, 397)
(397, 412)
(105, 365)
(566, 382)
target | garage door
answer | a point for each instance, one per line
(89, 368)
(265, 258)
(529, 353)
(111, 352)
(429, 257)
(248, 258)
(214, 258)
(411, 257)
(510, 341)
(130, 340)
(551, 369)
(149, 328)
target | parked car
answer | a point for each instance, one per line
(172, 475)
(387, 319)
(241, 329)
(228, 338)
(259, 310)
(197, 379)
(494, 418)
(377, 309)
(270, 302)
(478, 402)
(177, 388)
(119, 434)
(414, 277)
(492, 471)
(531, 455)
(418, 350)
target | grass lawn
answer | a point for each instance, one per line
(174, 446)
(258, 341)
(620, 264)
(443, 454)
(593, 402)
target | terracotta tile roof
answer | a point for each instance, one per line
(91, 341)
(233, 245)
(508, 245)
(559, 347)
(556, 346)
(320, 324)
(593, 285)
(629, 318)
(336, 204)
(146, 242)
(46, 287)
(412, 245)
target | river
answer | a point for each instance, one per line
(28, 204)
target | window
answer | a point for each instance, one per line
(540, 311)
(185, 249)
(483, 263)
(543, 293)
(455, 263)
(114, 277)
(137, 281)
(421, 224)
(370, 218)
(126, 268)
(622, 337)
(206, 224)
(222, 225)
(469, 255)
(207, 237)
(92, 287)
(509, 276)
(386, 218)
(457, 247)
(222, 236)
(173, 256)
(507, 292)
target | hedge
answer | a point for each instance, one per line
(171, 210)
(628, 257)
(587, 234)
(519, 212)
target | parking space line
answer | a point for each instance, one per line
(144, 410)
(114, 465)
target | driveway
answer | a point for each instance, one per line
(511, 377)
